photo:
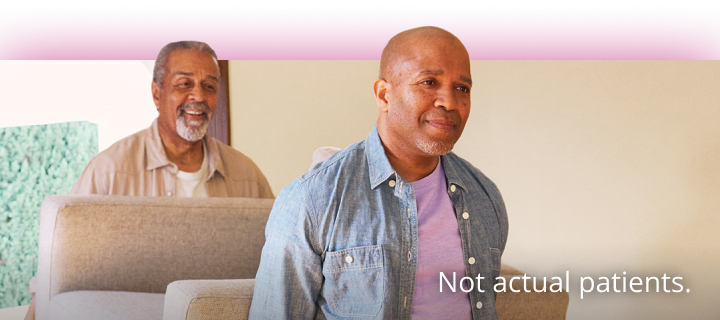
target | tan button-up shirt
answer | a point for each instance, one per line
(138, 166)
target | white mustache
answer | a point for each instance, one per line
(194, 105)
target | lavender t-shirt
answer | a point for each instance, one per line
(439, 250)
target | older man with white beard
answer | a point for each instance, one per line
(175, 157)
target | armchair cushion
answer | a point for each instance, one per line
(529, 305)
(208, 299)
(106, 305)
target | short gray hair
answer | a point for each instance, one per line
(161, 61)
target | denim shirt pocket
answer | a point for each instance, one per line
(354, 281)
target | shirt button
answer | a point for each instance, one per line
(452, 188)
(478, 305)
(169, 194)
(409, 256)
(408, 210)
(391, 183)
(465, 215)
(349, 259)
(471, 260)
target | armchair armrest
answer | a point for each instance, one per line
(529, 305)
(208, 299)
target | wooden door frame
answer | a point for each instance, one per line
(219, 127)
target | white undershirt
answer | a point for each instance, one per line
(192, 184)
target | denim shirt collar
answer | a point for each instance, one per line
(378, 164)
(452, 172)
(380, 169)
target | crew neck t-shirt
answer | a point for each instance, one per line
(192, 184)
(439, 250)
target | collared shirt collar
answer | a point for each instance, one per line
(381, 170)
(156, 156)
(216, 163)
(154, 150)
(452, 172)
(378, 164)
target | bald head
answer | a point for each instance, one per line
(406, 43)
(424, 98)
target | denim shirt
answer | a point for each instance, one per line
(342, 239)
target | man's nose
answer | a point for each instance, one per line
(197, 94)
(446, 98)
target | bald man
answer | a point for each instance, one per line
(385, 228)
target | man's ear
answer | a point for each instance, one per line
(156, 95)
(381, 94)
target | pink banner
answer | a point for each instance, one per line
(360, 33)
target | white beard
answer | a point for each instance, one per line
(191, 130)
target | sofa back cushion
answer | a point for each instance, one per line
(141, 244)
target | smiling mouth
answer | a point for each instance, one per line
(442, 124)
(194, 112)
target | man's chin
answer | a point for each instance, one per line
(192, 131)
(193, 136)
(435, 148)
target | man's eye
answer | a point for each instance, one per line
(184, 84)
(210, 88)
(464, 89)
(428, 82)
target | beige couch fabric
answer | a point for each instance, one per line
(106, 305)
(208, 299)
(142, 244)
(529, 305)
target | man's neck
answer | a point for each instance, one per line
(411, 167)
(186, 155)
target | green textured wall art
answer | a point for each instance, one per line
(35, 162)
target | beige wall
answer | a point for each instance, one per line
(281, 111)
(605, 166)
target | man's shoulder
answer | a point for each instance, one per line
(339, 164)
(127, 155)
(339, 173)
(336, 171)
(228, 153)
(238, 166)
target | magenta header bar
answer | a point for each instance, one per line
(360, 33)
